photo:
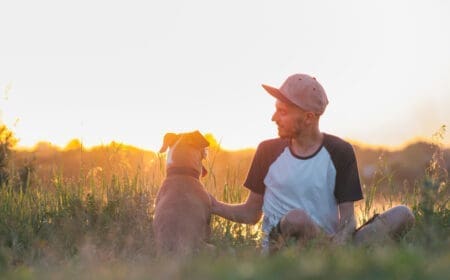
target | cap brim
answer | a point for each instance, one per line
(277, 94)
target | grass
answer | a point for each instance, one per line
(101, 229)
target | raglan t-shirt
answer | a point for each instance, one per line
(315, 184)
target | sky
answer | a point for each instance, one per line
(130, 71)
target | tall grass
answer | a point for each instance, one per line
(98, 227)
(431, 206)
(227, 234)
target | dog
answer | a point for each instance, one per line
(181, 221)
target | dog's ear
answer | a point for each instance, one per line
(169, 140)
(197, 140)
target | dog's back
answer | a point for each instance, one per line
(182, 208)
(181, 221)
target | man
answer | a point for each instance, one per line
(306, 182)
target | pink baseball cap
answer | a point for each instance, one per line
(302, 91)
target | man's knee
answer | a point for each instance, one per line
(296, 217)
(296, 222)
(399, 220)
(394, 223)
(403, 217)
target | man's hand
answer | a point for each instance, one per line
(343, 236)
(347, 224)
(248, 212)
(214, 202)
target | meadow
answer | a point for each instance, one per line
(79, 213)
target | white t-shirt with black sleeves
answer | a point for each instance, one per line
(315, 184)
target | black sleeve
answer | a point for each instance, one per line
(266, 153)
(256, 174)
(348, 186)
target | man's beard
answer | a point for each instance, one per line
(288, 134)
(283, 135)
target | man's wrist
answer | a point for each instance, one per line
(214, 204)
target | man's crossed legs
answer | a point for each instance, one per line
(297, 225)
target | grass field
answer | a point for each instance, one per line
(93, 227)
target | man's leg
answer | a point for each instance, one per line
(392, 224)
(295, 224)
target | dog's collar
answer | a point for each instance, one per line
(171, 171)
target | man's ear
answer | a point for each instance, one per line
(197, 140)
(169, 140)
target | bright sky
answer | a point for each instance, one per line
(131, 71)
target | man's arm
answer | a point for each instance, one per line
(347, 223)
(248, 212)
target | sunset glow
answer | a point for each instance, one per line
(101, 71)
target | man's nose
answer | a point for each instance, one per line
(274, 117)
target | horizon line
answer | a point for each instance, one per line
(354, 142)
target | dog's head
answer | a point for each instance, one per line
(186, 150)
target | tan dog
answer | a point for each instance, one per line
(183, 207)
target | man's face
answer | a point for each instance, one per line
(290, 119)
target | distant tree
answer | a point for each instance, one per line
(7, 142)
(213, 143)
(45, 148)
(74, 144)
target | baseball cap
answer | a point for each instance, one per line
(302, 91)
